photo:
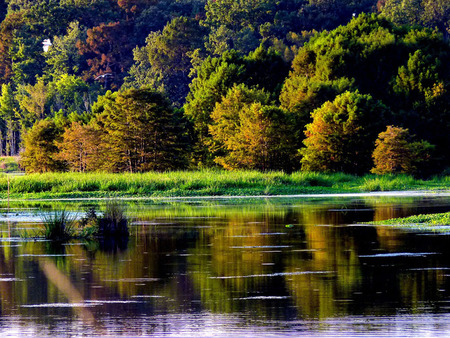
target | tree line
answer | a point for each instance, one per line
(137, 85)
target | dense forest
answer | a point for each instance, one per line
(136, 85)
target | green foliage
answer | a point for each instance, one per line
(141, 132)
(9, 122)
(63, 57)
(165, 60)
(247, 132)
(263, 68)
(40, 154)
(216, 44)
(402, 67)
(428, 13)
(342, 134)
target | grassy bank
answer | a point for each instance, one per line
(204, 183)
(430, 222)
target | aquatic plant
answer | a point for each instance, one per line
(423, 219)
(58, 225)
(425, 222)
(114, 222)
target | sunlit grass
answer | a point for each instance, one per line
(433, 222)
(205, 183)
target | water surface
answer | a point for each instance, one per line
(285, 267)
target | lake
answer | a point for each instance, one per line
(262, 267)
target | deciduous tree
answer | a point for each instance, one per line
(342, 134)
(40, 153)
(81, 148)
(396, 153)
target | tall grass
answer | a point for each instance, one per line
(58, 225)
(205, 183)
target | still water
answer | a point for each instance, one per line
(275, 267)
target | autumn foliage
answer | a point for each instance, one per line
(395, 153)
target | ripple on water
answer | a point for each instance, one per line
(132, 280)
(276, 274)
(399, 254)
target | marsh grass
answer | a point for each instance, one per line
(205, 183)
(114, 223)
(59, 225)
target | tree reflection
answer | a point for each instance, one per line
(305, 260)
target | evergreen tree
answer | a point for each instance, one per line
(141, 133)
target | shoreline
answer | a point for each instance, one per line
(397, 193)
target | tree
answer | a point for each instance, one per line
(33, 99)
(263, 68)
(342, 134)
(165, 60)
(395, 153)
(71, 94)
(428, 13)
(225, 118)
(402, 67)
(10, 127)
(8, 27)
(108, 52)
(63, 57)
(142, 132)
(248, 132)
(40, 153)
(264, 140)
(81, 148)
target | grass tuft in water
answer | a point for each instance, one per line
(114, 222)
(59, 225)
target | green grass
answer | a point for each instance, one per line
(433, 222)
(204, 183)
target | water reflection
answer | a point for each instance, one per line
(226, 268)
